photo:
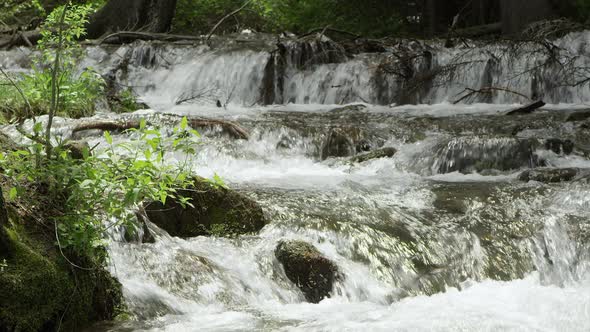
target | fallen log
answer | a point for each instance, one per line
(479, 30)
(527, 108)
(20, 38)
(128, 36)
(228, 127)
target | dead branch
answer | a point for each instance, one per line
(527, 108)
(119, 37)
(226, 17)
(486, 90)
(231, 128)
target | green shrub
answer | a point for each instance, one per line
(98, 192)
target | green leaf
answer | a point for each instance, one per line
(183, 123)
(108, 137)
(13, 193)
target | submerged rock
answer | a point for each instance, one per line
(578, 116)
(375, 154)
(560, 146)
(337, 144)
(307, 268)
(469, 154)
(140, 233)
(217, 211)
(549, 175)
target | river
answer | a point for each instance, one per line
(441, 237)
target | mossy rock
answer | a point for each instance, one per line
(387, 152)
(217, 211)
(39, 291)
(550, 175)
(307, 268)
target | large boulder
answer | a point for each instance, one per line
(217, 211)
(549, 175)
(307, 268)
(40, 291)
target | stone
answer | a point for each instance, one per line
(307, 268)
(337, 144)
(77, 149)
(375, 154)
(549, 175)
(560, 146)
(217, 211)
(478, 154)
(578, 116)
(139, 232)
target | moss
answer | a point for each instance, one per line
(39, 291)
(217, 211)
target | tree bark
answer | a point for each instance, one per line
(132, 15)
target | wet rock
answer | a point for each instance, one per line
(375, 154)
(560, 146)
(469, 154)
(40, 292)
(363, 146)
(217, 212)
(549, 175)
(307, 268)
(349, 109)
(578, 116)
(77, 149)
(286, 143)
(139, 232)
(337, 144)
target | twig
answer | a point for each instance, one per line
(487, 90)
(226, 17)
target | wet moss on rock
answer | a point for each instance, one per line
(217, 211)
(39, 291)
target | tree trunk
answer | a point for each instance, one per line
(132, 15)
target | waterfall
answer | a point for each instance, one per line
(443, 236)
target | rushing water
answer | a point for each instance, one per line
(441, 237)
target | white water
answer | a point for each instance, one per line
(470, 230)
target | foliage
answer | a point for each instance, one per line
(19, 12)
(198, 17)
(375, 17)
(104, 187)
(77, 92)
(582, 12)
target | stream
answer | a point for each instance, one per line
(443, 236)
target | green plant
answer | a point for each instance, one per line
(19, 12)
(3, 265)
(54, 86)
(100, 191)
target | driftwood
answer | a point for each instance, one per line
(527, 108)
(486, 90)
(232, 129)
(20, 38)
(126, 36)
